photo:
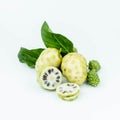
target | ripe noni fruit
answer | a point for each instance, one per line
(50, 78)
(74, 68)
(48, 57)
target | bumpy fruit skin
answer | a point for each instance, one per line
(49, 57)
(94, 64)
(74, 68)
(93, 78)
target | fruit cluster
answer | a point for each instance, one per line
(57, 61)
(51, 67)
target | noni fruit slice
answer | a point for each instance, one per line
(48, 57)
(67, 89)
(74, 68)
(50, 78)
(69, 98)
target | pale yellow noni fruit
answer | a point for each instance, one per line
(74, 68)
(48, 57)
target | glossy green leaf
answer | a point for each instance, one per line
(29, 56)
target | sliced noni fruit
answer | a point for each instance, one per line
(69, 98)
(50, 78)
(67, 89)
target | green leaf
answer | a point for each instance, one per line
(29, 56)
(54, 40)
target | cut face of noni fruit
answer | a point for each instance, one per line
(69, 98)
(67, 89)
(74, 68)
(50, 78)
(49, 57)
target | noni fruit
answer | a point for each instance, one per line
(50, 78)
(48, 57)
(74, 68)
(68, 91)
(93, 78)
(94, 64)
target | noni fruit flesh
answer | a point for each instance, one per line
(68, 91)
(50, 78)
(69, 98)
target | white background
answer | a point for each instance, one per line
(94, 28)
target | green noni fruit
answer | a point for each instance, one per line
(94, 64)
(93, 78)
